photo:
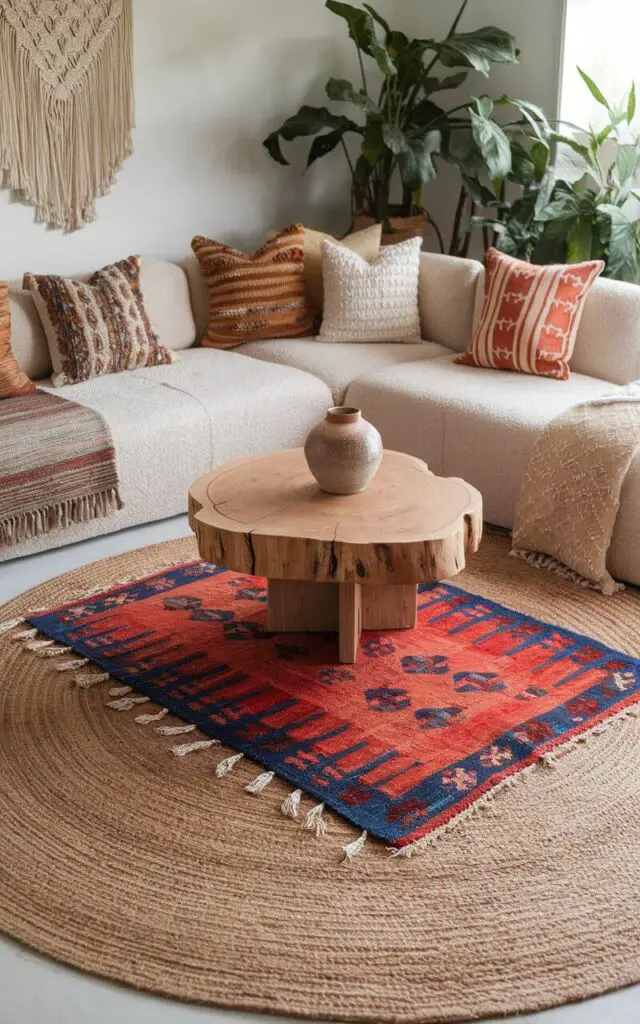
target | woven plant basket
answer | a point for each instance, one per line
(395, 229)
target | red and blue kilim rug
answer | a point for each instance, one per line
(427, 722)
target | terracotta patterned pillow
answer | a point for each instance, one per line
(530, 317)
(12, 379)
(255, 296)
(99, 327)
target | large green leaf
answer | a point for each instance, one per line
(431, 84)
(362, 30)
(580, 240)
(342, 91)
(631, 104)
(308, 121)
(532, 114)
(324, 144)
(492, 143)
(523, 169)
(416, 163)
(593, 88)
(373, 145)
(563, 206)
(479, 49)
(377, 17)
(626, 166)
(621, 234)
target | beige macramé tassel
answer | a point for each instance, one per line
(69, 666)
(188, 748)
(175, 730)
(260, 782)
(120, 691)
(10, 624)
(224, 767)
(291, 805)
(87, 679)
(38, 645)
(54, 652)
(126, 703)
(147, 719)
(315, 821)
(352, 850)
(25, 634)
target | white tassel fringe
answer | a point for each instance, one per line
(147, 719)
(126, 703)
(315, 821)
(352, 850)
(291, 806)
(88, 679)
(224, 767)
(175, 730)
(260, 782)
(187, 748)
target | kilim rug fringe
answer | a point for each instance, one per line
(314, 820)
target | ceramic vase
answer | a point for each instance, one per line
(344, 451)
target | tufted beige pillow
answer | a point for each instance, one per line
(375, 301)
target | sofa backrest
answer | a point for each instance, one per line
(447, 294)
(165, 291)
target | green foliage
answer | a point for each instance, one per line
(552, 220)
(401, 132)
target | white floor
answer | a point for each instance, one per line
(35, 990)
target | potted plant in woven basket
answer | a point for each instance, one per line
(402, 130)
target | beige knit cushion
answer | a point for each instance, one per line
(255, 295)
(375, 301)
(365, 243)
(98, 327)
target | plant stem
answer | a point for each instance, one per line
(467, 237)
(438, 233)
(349, 161)
(362, 71)
(455, 231)
(457, 18)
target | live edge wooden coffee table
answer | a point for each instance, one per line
(336, 562)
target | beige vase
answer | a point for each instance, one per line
(344, 451)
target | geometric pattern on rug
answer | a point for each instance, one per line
(425, 724)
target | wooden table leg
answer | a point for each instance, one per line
(350, 621)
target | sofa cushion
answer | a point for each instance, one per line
(339, 365)
(365, 242)
(376, 301)
(13, 380)
(28, 340)
(477, 423)
(98, 327)
(165, 292)
(255, 295)
(530, 315)
(608, 342)
(172, 423)
(447, 294)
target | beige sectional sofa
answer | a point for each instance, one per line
(171, 423)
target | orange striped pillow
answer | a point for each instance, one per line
(12, 379)
(255, 296)
(530, 316)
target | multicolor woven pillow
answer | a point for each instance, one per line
(12, 379)
(530, 317)
(99, 327)
(255, 296)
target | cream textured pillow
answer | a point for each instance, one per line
(371, 301)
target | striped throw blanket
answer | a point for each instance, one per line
(57, 466)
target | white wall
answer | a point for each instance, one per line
(537, 26)
(210, 84)
(212, 78)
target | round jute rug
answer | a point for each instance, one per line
(120, 859)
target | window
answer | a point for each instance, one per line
(601, 36)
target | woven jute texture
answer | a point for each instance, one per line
(121, 859)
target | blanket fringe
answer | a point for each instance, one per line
(27, 525)
(538, 560)
(291, 806)
(126, 703)
(10, 624)
(69, 666)
(187, 748)
(352, 850)
(227, 765)
(120, 691)
(147, 719)
(89, 679)
(260, 782)
(315, 821)
(486, 801)
(175, 730)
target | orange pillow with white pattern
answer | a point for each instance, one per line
(530, 316)
(13, 381)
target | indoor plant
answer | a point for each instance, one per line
(401, 128)
(553, 220)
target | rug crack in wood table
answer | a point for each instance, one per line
(334, 562)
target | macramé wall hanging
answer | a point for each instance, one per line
(66, 103)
